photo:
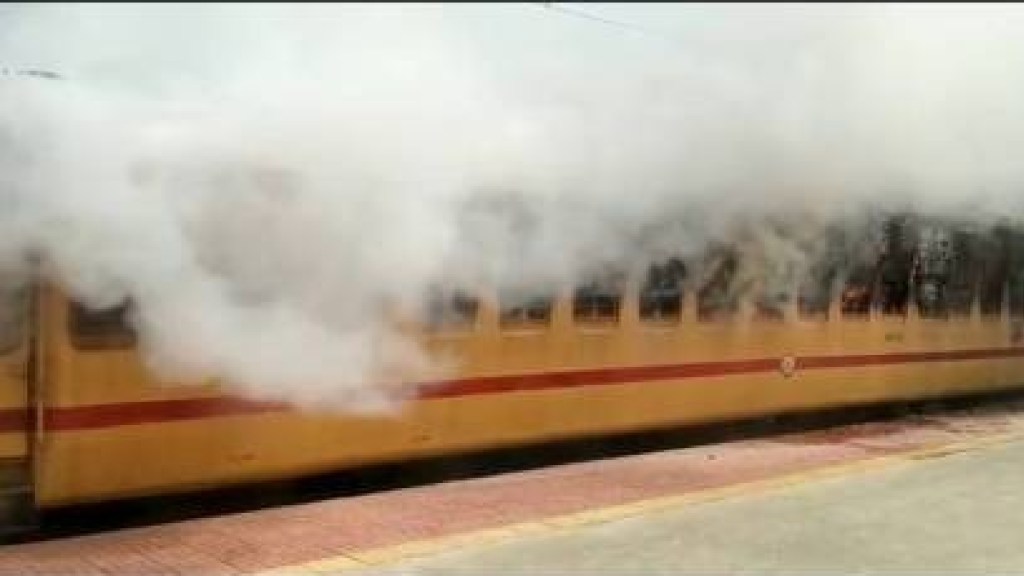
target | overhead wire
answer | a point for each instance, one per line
(575, 12)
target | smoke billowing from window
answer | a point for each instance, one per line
(273, 185)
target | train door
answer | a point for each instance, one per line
(16, 496)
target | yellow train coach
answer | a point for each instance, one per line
(82, 421)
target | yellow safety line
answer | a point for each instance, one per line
(391, 554)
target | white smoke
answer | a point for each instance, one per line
(276, 186)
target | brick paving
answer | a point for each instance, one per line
(266, 539)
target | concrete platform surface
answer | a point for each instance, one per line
(861, 495)
(962, 513)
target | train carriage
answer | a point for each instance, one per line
(82, 420)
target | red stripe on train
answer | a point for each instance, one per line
(549, 380)
(126, 413)
(14, 419)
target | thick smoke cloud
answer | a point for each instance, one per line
(275, 187)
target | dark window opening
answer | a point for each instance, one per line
(946, 272)
(932, 298)
(1015, 281)
(993, 261)
(598, 300)
(818, 282)
(960, 291)
(95, 329)
(857, 294)
(531, 310)
(717, 298)
(960, 299)
(954, 267)
(1016, 293)
(933, 273)
(814, 296)
(661, 297)
(854, 254)
(771, 306)
(894, 267)
(451, 309)
(812, 302)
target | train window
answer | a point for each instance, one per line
(717, 297)
(526, 311)
(991, 300)
(993, 264)
(770, 306)
(13, 308)
(814, 296)
(661, 297)
(1015, 280)
(92, 329)
(1016, 293)
(894, 268)
(932, 273)
(813, 303)
(857, 294)
(959, 299)
(893, 296)
(598, 300)
(931, 298)
(451, 309)
(817, 286)
(961, 289)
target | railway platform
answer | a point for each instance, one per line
(916, 492)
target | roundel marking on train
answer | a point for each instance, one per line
(787, 366)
